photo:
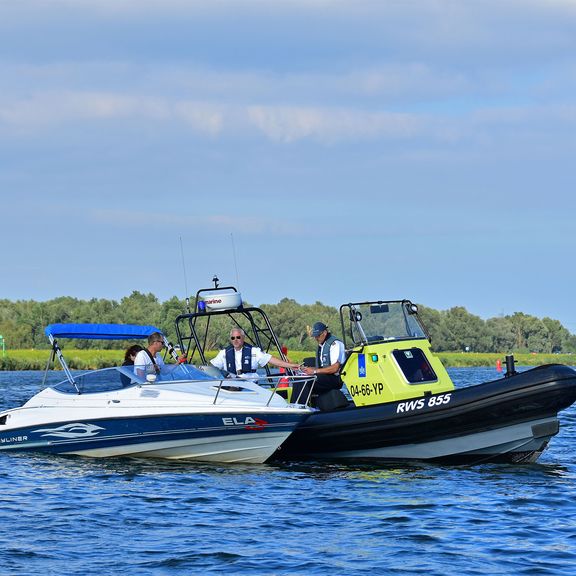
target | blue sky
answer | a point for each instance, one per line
(321, 150)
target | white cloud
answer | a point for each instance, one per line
(46, 110)
(403, 93)
(278, 123)
(204, 117)
(289, 124)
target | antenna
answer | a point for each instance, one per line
(185, 279)
(235, 262)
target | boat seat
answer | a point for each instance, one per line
(331, 400)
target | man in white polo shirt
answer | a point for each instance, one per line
(242, 360)
(149, 360)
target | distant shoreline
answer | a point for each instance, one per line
(16, 360)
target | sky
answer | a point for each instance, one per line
(320, 150)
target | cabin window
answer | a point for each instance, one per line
(414, 365)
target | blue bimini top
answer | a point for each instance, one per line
(100, 331)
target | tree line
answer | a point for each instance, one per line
(22, 324)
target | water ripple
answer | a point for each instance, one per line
(73, 516)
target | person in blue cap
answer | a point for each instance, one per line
(330, 356)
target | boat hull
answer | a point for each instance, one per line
(226, 437)
(507, 420)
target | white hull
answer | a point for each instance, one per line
(230, 449)
(527, 440)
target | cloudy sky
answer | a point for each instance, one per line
(331, 150)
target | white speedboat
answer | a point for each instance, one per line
(180, 413)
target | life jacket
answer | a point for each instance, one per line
(323, 352)
(246, 360)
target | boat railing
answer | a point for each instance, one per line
(283, 381)
(275, 383)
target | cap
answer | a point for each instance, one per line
(318, 328)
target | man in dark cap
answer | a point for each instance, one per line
(330, 356)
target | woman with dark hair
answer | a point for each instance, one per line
(129, 358)
(130, 354)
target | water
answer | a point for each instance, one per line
(76, 516)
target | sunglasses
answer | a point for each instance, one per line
(236, 337)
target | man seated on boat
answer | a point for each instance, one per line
(242, 360)
(330, 356)
(149, 360)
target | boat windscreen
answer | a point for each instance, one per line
(182, 372)
(103, 380)
(171, 372)
(380, 322)
(119, 377)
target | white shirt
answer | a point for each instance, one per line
(144, 362)
(337, 352)
(259, 359)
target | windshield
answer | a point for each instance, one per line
(109, 379)
(169, 372)
(103, 380)
(380, 322)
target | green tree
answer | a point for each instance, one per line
(433, 321)
(502, 335)
(465, 331)
(288, 321)
(140, 308)
(169, 311)
(22, 324)
(531, 334)
(560, 339)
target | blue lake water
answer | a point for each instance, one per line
(77, 516)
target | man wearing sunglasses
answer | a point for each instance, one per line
(242, 360)
(149, 360)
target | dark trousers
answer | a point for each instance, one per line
(324, 383)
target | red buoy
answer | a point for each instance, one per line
(498, 365)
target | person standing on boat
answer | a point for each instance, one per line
(330, 356)
(242, 360)
(149, 360)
